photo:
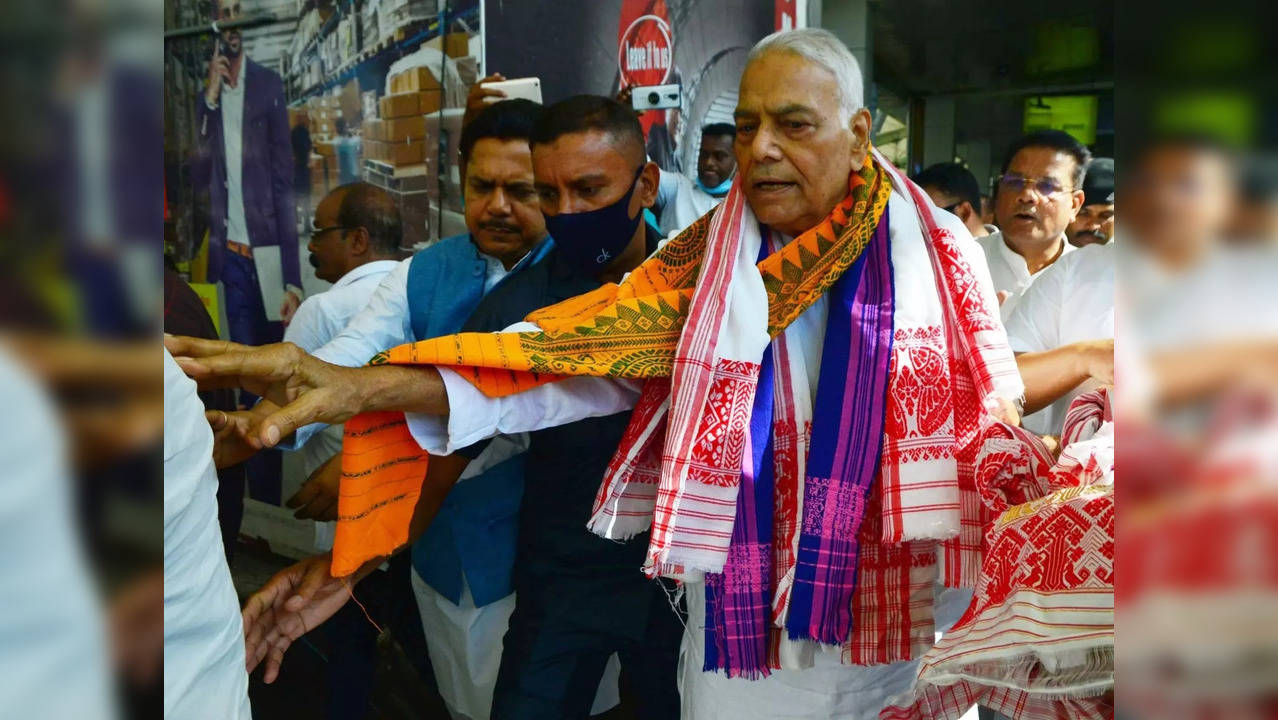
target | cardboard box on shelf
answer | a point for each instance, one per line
(410, 103)
(456, 44)
(408, 152)
(325, 148)
(428, 101)
(405, 128)
(399, 105)
(374, 130)
(298, 116)
(414, 80)
(350, 103)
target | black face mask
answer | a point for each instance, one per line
(591, 240)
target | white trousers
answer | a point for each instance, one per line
(829, 689)
(465, 649)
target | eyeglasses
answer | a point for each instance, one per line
(316, 232)
(1045, 187)
(952, 207)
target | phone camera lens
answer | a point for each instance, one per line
(653, 98)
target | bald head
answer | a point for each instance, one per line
(354, 224)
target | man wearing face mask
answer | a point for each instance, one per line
(824, 269)
(681, 201)
(461, 565)
(579, 599)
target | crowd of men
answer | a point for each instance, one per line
(529, 593)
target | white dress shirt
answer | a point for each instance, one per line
(827, 688)
(204, 674)
(681, 202)
(231, 100)
(1071, 301)
(317, 320)
(1009, 271)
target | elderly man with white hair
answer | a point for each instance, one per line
(809, 366)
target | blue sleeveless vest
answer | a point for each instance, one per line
(477, 526)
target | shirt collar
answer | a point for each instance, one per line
(369, 268)
(1018, 264)
(537, 252)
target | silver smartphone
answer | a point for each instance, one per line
(655, 97)
(528, 88)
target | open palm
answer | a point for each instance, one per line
(293, 602)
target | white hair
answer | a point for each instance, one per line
(823, 48)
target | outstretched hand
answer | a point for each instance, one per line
(293, 602)
(305, 389)
(233, 438)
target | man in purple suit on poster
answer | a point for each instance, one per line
(246, 162)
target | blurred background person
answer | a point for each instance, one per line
(347, 148)
(680, 201)
(54, 661)
(1039, 193)
(1095, 220)
(954, 189)
(1200, 339)
(1256, 218)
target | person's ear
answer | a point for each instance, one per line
(357, 241)
(965, 211)
(860, 125)
(649, 182)
(1076, 198)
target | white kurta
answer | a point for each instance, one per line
(1071, 301)
(204, 674)
(1009, 271)
(682, 202)
(822, 687)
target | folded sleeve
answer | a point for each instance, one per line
(474, 416)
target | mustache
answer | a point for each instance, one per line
(314, 261)
(498, 226)
(1093, 233)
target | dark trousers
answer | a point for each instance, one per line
(352, 639)
(551, 665)
(247, 324)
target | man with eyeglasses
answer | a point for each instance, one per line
(1039, 193)
(355, 239)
